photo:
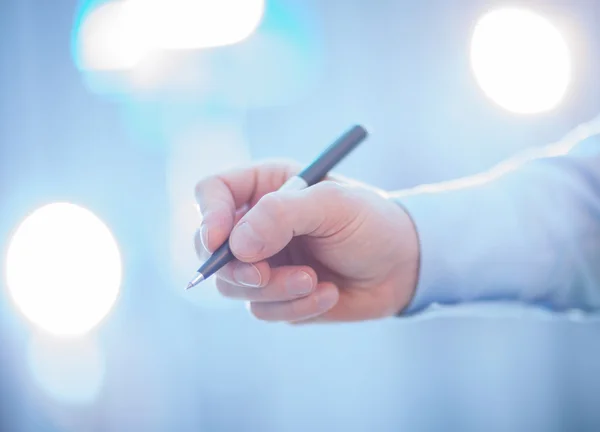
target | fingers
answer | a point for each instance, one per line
(268, 227)
(220, 196)
(288, 293)
(319, 302)
(260, 283)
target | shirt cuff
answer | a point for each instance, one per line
(468, 256)
(429, 290)
(446, 258)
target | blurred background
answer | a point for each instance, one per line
(110, 111)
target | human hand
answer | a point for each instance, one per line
(337, 251)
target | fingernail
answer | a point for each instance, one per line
(326, 299)
(245, 242)
(299, 283)
(204, 236)
(247, 275)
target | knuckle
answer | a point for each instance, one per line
(339, 196)
(273, 205)
(332, 190)
(277, 171)
(203, 189)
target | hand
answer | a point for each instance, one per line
(337, 251)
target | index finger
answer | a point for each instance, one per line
(221, 195)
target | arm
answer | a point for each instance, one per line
(528, 231)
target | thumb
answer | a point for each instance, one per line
(321, 210)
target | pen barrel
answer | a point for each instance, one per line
(317, 171)
(217, 260)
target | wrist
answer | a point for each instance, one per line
(407, 270)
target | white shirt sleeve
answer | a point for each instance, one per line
(527, 232)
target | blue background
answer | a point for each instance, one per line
(399, 67)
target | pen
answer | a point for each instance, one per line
(311, 175)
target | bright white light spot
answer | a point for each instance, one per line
(69, 371)
(63, 269)
(121, 35)
(520, 60)
(194, 24)
(110, 38)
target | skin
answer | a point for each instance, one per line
(339, 251)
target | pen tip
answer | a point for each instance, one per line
(199, 278)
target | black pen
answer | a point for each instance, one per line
(311, 175)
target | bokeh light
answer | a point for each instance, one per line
(109, 38)
(63, 269)
(264, 54)
(69, 371)
(118, 35)
(195, 24)
(520, 60)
